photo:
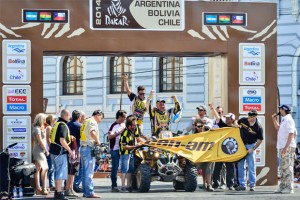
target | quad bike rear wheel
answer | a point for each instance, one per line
(190, 176)
(143, 178)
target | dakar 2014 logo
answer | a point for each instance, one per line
(116, 14)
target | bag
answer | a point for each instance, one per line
(56, 149)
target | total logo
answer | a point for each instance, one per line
(252, 51)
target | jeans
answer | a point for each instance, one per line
(60, 163)
(50, 172)
(115, 158)
(88, 164)
(78, 177)
(250, 158)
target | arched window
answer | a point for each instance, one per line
(170, 74)
(72, 75)
(118, 67)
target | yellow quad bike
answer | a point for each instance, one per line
(158, 165)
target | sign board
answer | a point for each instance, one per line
(251, 97)
(147, 15)
(16, 61)
(45, 16)
(260, 152)
(251, 64)
(16, 99)
(17, 129)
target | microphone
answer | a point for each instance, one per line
(278, 114)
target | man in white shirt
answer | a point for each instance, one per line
(286, 145)
(114, 135)
(208, 123)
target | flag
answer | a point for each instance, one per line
(59, 16)
(224, 19)
(219, 145)
(31, 16)
(45, 16)
(237, 19)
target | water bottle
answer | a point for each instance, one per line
(15, 192)
(20, 191)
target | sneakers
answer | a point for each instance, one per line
(59, 195)
(278, 190)
(230, 188)
(78, 189)
(71, 193)
(123, 189)
(209, 188)
(287, 191)
(240, 188)
(252, 188)
(114, 189)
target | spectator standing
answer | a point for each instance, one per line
(127, 143)
(74, 127)
(39, 153)
(89, 137)
(229, 122)
(202, 115)
(286, 145)
(78, 178)
(60, 138)
(114, 135)
(252, 136)
(50, 121)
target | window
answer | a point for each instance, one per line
(118, 67)
(170, 74)
(72, 75)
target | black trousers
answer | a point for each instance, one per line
(217, 174)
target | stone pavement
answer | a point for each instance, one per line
(164, 191)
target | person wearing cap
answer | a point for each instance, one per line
(252, 135)
(201, 115)
(286, 145)
(160, 117)
(138, 103)
(229, 122)
(89, 137)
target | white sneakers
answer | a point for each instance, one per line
(284, 191)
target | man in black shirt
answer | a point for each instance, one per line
(252, 136)
(60, 138)
(229, 122)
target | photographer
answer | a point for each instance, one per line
(89, 137)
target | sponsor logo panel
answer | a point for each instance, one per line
(251, 99)
(249, 107)
(16, 61)
(16, 74)
(16, 138)
(16, 48)
(252, 76)
(17, 130)
(16, 122)
(16, 107)
(251, 92)
(252, 51)
(252, 63)
(19, 146)
(16, 99)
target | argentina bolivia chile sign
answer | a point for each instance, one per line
(150, 15)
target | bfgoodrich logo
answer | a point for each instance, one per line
(229, 146)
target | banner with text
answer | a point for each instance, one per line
(155, 15)
(220, 145)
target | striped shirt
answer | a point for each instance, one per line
(127, 139)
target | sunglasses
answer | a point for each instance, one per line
(199, 126)
(201, 110)
(142, 93)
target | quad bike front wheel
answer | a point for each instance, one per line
(143, 178)
(190, 176)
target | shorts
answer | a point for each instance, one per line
(60, 163)
(126, 163)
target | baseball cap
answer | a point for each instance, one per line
(230, 115)
(160, 100)
(97, 112)
(285, 107)
(252, 113)
(201, 108)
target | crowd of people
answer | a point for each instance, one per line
(63, 149)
